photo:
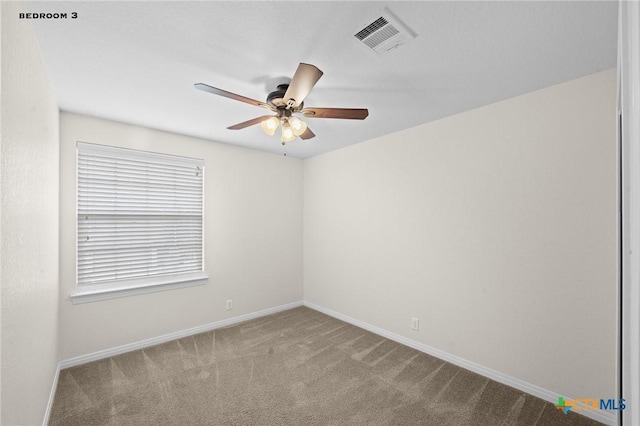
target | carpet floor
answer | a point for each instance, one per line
(297, 367)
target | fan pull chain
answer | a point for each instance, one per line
(285, 148)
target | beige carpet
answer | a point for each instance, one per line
(298, 367)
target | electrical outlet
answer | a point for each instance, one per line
(229, 304)
(415, 323)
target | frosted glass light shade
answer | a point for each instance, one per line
(298, 126)
(287, 133)
(270, 125)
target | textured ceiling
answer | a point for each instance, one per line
(136, 62)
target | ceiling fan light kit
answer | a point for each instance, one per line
(287, 133)
(286, 100)
(270, 125)
(297, 125)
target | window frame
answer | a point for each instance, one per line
(127, 287)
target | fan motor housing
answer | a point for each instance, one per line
(276, 98)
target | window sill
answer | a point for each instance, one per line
(125, 291)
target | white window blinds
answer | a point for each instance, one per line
(140, 218)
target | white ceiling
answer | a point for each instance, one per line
(136, 62)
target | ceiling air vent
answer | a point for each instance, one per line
(385, 33)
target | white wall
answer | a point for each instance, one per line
(253, 240)
(29, 224)
(495, 227)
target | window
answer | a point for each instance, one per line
(140, 222)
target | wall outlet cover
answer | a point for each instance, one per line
(415, 323)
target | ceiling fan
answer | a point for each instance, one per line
(286, 100)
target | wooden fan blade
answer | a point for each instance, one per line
(220, 92)
(249, 122)
(303, 80)
(346, 113)
(308, 134)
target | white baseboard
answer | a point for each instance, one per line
(545, 394)
(52, 394)
(106, 353)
